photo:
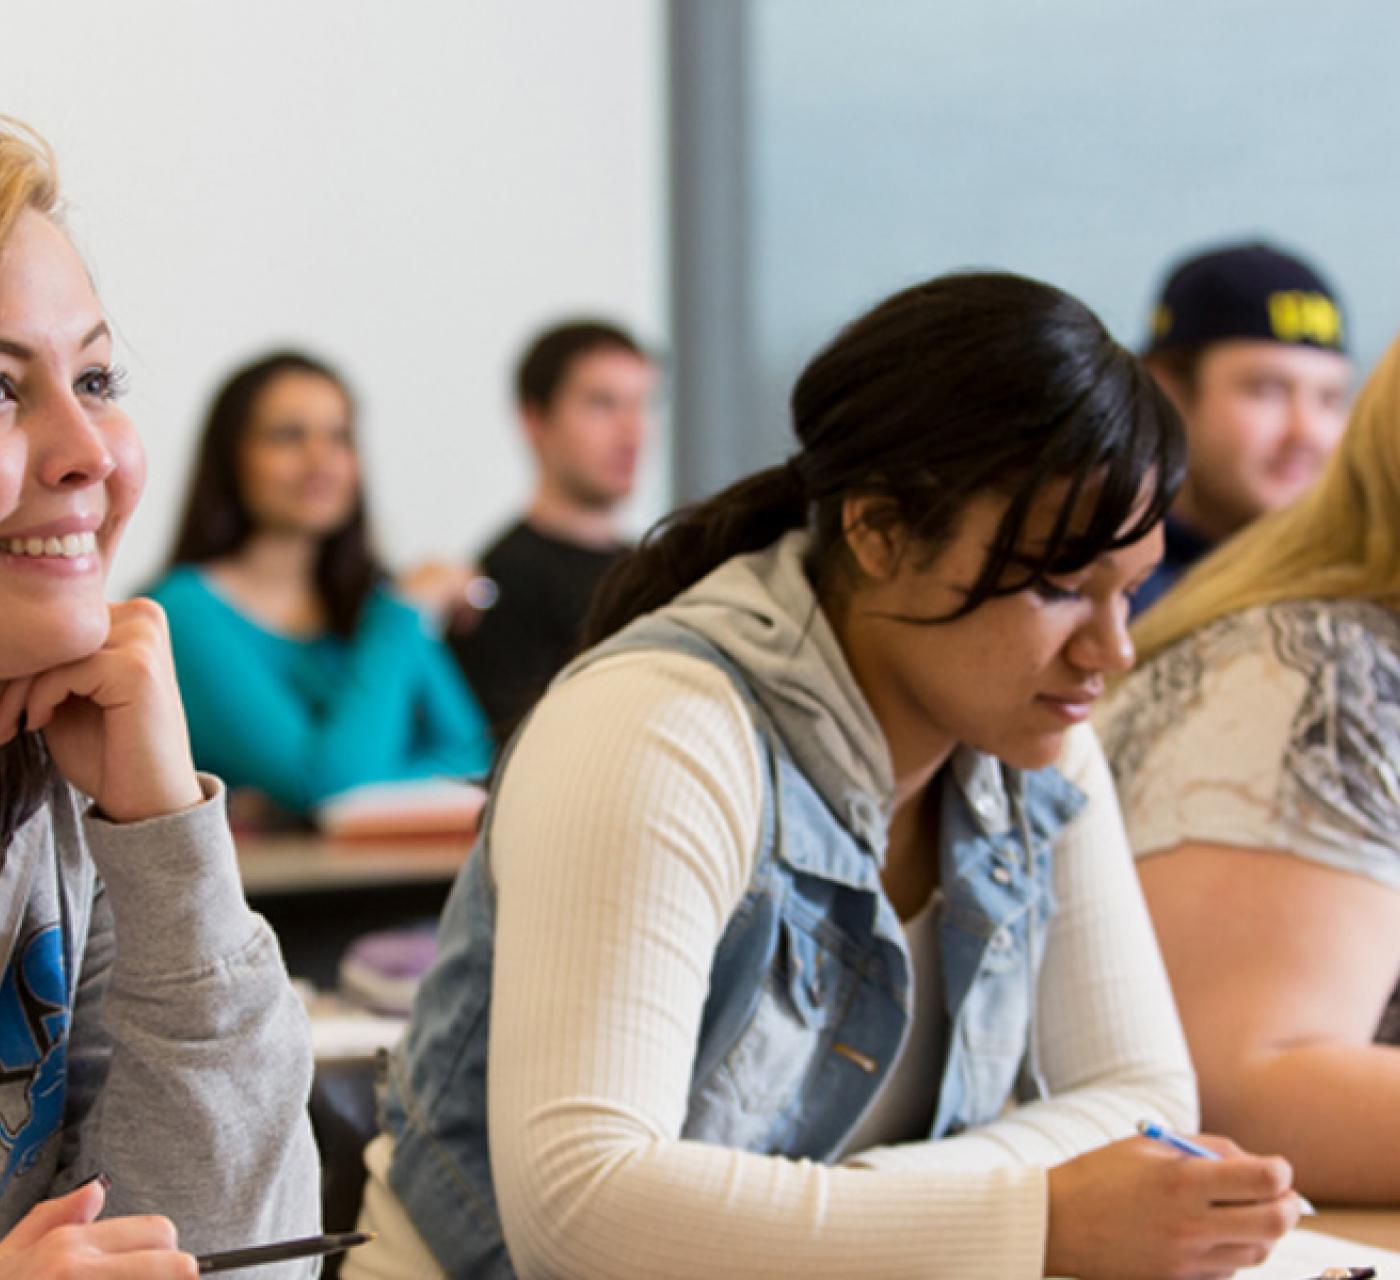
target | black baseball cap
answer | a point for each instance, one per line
(1246, 291)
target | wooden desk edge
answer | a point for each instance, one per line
(309, 864)
(1379, 1227)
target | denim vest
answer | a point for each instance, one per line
(809, 999)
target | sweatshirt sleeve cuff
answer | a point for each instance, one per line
(173, 886)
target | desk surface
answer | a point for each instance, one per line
(295, 864)
(1379, 1227)
(312, 864)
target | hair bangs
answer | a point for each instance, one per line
(1139, 444)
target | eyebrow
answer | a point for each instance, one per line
(9, 347)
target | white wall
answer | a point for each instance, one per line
(408, 189)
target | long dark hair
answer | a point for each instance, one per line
(216, 520)
(26, 775)
(965, 384)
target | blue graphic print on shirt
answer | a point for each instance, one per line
(33, 1050)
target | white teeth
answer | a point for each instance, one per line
(68, 547)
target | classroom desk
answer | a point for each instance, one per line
(320, 894)
(311, 863)
(1379, 1227)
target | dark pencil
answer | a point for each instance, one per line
(282, 1251)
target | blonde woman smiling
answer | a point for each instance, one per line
(1257, 752)
(147, 1029)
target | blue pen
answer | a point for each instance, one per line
(1150, 1129)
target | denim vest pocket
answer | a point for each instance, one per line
(767, 1065)
(762, 1076)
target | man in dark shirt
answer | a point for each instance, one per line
(584, 392)
(1248, 342)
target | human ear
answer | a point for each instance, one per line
(874, 536)
(1177, 389)
(532, 422)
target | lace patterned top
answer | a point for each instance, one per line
(1277, 727)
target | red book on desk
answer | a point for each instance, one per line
(432, 808)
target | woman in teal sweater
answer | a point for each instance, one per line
(303, 672)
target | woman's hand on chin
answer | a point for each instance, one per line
(113, 721)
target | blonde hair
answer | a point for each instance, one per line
(28, 174)
(1340, 541)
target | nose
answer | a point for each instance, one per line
(1302, 424)
(317, 452)
(72, 450)
(632, 418)
(324, 451)
(1103, 643)
(1314, 424)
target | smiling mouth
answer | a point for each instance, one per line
(70, 546)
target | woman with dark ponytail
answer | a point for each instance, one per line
(802, 937)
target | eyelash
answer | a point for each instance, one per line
(113, 385)
(1052, 594)
(114, 382)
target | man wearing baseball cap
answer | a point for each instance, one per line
(1249, 342)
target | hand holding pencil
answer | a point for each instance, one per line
(282, 1251)
(58, 1235)
(58, 1232)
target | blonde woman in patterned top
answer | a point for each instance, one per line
(1257, 754)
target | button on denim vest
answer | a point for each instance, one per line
(809, 999)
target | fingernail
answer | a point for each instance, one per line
(99, 1177)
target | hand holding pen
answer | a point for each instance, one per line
(1150, 1129)
(1133, 1210)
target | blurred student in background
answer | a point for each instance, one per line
(304, 672)
(1248, 341)
(584, 391)
(1257, 754)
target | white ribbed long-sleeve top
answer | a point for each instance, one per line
(612, 899)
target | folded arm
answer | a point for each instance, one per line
(624, 837)
(1110, 1041)
(250, 727)
(191, 1057)
(1282, 967)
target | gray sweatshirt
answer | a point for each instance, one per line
(148, 1031)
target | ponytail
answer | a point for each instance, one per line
(684, 546)
(966, 384)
